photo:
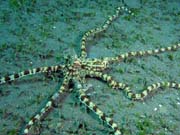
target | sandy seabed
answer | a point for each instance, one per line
(37, 33)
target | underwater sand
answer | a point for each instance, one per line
(37, 33)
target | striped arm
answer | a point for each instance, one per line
(131, 95)
(150, 89)
(142, 53)
(102, 28)
(48, 107)
(30, 72)
(107, 78)
(85, 100)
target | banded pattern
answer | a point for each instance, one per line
(131, 95)
(78, 68)
(105, 77)
(85, 100)
(141, 53)
(149, 89)
(104, 27)
(30, 72)
(49, 105)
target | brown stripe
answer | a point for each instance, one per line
(177, 85)
(59, 67)
(7, 78)
(33, 119)
(115, 129)
(54, 105)
(28, 127)
(111, 122)
(83, 49)
(103, 117)
(49, 69)
(130, 54)
(95, 108)
(171, 84)
(153, 86)
(37, 69)
(83, 97)
(142, 95)
(133, 96)
(83, 40)
(16, 75)
(120, 57)
(26, 72)
(139, 53)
